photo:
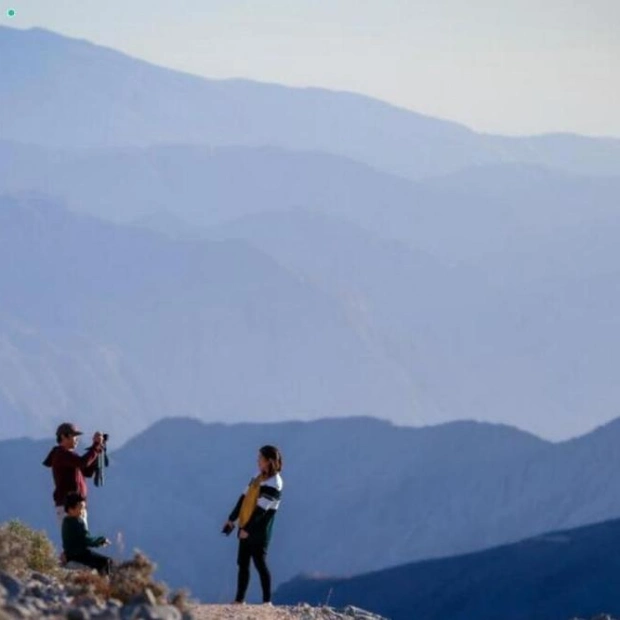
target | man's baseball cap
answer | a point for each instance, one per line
(66, 428)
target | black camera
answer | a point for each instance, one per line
(102, 461)
(228, 529)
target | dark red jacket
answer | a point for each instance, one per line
(69, 470)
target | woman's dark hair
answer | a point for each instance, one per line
(273, 455)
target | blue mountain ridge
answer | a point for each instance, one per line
(554, 576)
(73, 93)
(360, 494)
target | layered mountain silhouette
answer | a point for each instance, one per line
(559, 575)
(523, 333)
(361, 495)
(101, 322)
(232, 251)
(491, 305)
(485, 289)
(470, 213)
(73, 93)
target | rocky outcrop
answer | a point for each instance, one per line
(43, 596)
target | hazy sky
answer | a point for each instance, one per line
(503, 66)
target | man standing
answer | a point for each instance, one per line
(70, 470)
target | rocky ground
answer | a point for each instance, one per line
(262, 612)
(42, 596)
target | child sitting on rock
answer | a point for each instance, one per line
(76, 539)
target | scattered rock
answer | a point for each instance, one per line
(73, 566)
(17, 611)
(87, 601)
(107, 614)
(261, 612)
(13, 587)
(46, 580)
(150, 612)
(146, 598)
(42, 596)
(359, 614)
(163, 612)
(78, 613)
(131, 612)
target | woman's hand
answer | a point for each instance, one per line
(243, 535)
(228, 528)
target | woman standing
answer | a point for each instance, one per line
(255, 512)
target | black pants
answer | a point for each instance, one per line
(101, 563)
(258, 553)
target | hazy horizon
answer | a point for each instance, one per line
(459, 276)
(518, 69)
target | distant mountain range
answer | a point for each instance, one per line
(291, 253)
(72, 93)
(361, 495)
(472, 213)
(230, 251)
(556, 576)
(299, 312)
(101, 322)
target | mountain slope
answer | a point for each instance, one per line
(204, 185)
(499, 293)
(73, 93)
(169, 490)
(100, 320)
(551, 577)
(408, 493)
(503, 336)
(502, 285)
(472, 213)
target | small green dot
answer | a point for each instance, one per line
(11, 13)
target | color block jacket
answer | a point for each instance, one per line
(256, 508)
